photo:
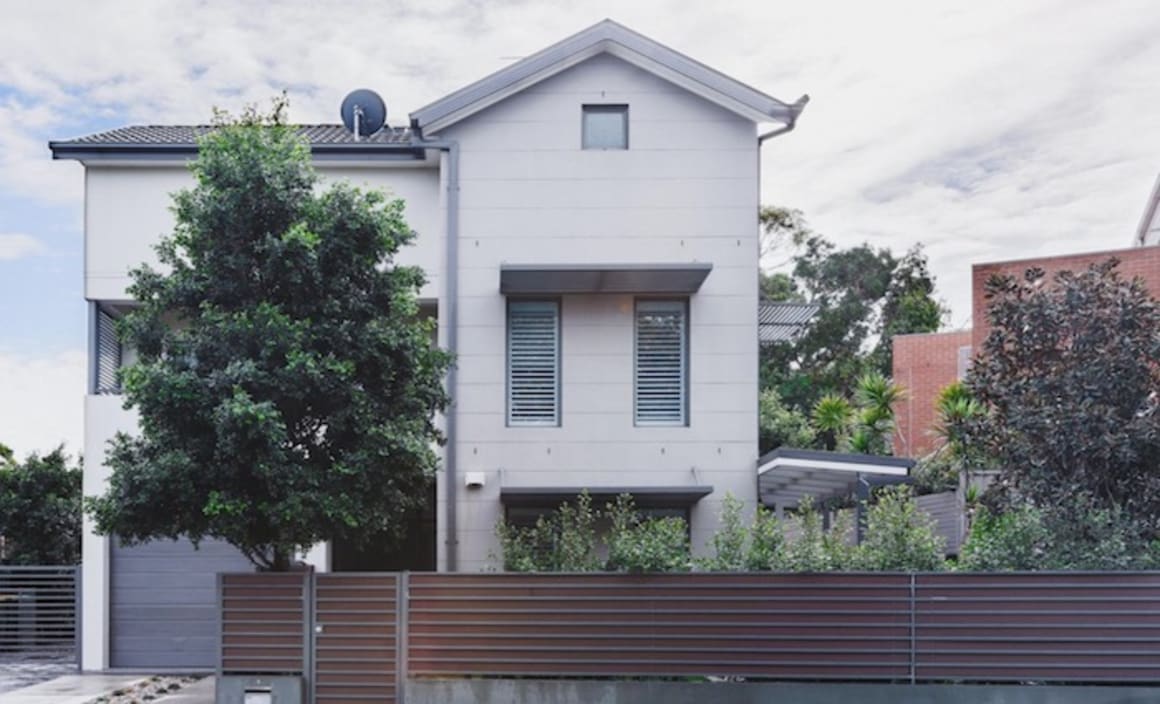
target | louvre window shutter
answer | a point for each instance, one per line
(533, 363)
(660, 393)
(108, 355)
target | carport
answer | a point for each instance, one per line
(786, 475)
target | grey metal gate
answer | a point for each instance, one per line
(38, 612)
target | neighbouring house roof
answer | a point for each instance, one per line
(783, 322)
(786, 475)
(607, 37)
(177, 140)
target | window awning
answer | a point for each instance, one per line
(642, 496)
(786, 475)
(561, 279)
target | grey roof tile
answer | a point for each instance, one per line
(186, 135)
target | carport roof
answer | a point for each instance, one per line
(787, 475)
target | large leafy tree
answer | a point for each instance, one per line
(865, 295)
(286, 382)
(40, 509)
(1069, 377)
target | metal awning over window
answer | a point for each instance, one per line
(642, 496)
(563, 279)
(785, 476)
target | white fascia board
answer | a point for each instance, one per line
(849, 467)
(692, 85)
(508, 91)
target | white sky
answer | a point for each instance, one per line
(986, 130)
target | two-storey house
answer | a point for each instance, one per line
(587, 218)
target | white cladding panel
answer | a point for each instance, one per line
(127, 210)
(685, 190)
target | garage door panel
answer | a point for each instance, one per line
(163, 603)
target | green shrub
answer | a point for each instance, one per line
(646, 545)
(812, 549)
(898, 536)
(562, 541)
(767, 545)
(730, 540)
(1075, 535)
(1015, 540)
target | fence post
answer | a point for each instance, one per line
(913, 633)
(78, 601)
(308, 634)
(402, 609)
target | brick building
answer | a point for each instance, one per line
(925, 363)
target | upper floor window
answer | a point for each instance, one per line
(660, 378)
(108, 355)
(605, 127)
(533, 351)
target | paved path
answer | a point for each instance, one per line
(22, 670)
(70, 689)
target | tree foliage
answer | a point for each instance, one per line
(865, 295)
(1069, 377)
(40, 509)
(286, 383)
(865, 424)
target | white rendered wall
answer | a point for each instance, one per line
(104, 417)
(686, 190)
(127, 210)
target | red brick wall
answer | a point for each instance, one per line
(923, 365)
(1143, 262)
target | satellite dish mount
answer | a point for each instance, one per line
(363, 112)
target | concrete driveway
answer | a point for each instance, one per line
(22, 670)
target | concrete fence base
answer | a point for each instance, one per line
(500, 691)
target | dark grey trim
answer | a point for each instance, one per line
(822, 455)
(563, 279)
(643, 496)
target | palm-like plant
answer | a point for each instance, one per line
(876, 396)
(832, 417)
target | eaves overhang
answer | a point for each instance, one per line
(642, 496)
(566, 279)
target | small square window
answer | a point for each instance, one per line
(605, 127)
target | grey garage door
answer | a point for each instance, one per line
(163, 604)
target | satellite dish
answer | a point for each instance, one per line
(363, 112)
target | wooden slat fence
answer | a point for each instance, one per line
(1068, 627)
(1024, 627)
(811, 626)
(265, 622)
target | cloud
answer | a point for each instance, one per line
(988, 130)
(42, 401)
(17, 246)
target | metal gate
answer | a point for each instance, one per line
(358, 626)
(38, 612)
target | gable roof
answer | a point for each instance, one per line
(608, 37)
